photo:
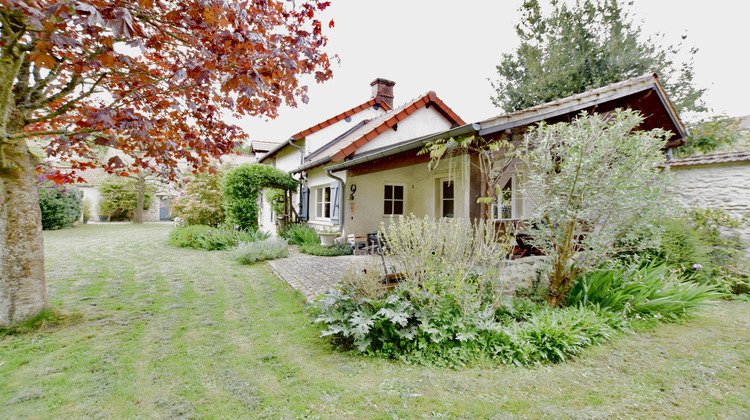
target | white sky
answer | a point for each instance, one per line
(453, 48)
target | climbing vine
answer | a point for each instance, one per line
(241, 188)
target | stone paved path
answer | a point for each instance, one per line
(312, 275)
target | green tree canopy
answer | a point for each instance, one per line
(590, 44)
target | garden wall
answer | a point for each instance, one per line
(711, 181)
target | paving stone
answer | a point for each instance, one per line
(310, 274)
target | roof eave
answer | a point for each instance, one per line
(405, 147)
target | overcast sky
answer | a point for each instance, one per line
(452, 48)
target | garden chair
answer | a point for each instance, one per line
(359, 241)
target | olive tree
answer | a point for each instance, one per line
(596, 185)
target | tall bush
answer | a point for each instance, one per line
(241, 187)
(61, 205)
(597, 188)
(120, 197)
(200, 202)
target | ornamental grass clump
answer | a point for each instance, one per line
(657, 291)
(267, 249)
(300, 235)
(213, 238)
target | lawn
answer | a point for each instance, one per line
(158, 331)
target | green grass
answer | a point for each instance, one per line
(158, 331)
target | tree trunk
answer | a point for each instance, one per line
(141, 189)
(22, 286)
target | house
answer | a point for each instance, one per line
(377, 173)
(365, 128)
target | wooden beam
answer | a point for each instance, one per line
(400, 160)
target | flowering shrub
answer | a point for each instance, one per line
(200, 201)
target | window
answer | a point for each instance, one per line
(323, 203)
(393, 204)
(447, 198)
(509, 204)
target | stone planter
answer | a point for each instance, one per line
(326, 238)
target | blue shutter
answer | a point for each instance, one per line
(335, 203)
(303, 204)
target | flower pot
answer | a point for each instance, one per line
(326, 239)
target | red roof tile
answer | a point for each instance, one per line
(339, 117)
(379, 125)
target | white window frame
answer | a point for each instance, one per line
(516, 202)
(441, 182)
(393, 199)
(320, 202)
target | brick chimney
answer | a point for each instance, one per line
(382, 91)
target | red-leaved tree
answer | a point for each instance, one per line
(154, 79)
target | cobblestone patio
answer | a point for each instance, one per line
(310, 274)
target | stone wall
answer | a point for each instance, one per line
(720, 185)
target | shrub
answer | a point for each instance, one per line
(267, 249)
(653, 290)
(446, 312)
(681, 246)
(324, 251)
(363, 279)
(61, 205)
(443, 334)
(211, 238)
(187, 237)
(200, 202)
(120, 197)
(241, 187)
(300, 235)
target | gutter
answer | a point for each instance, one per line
(416, 144)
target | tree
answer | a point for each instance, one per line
(122, 196)
(596, 186)
(591, 44)
(152, 78)
(717, 133)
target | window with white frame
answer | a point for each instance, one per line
(508, 205)
(393, 201)
(447, 198)
(322, 202)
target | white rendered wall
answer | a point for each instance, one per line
(320, 138)
(422, 122)
(364, 213)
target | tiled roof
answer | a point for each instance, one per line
(344, 115)
(348, 145)
(369, 104)
(712, 158)
(260, 146)
(583, 100)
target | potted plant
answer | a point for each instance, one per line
(327, 236)
(86, 210)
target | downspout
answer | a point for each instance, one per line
(341, 198)
(301, 160)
